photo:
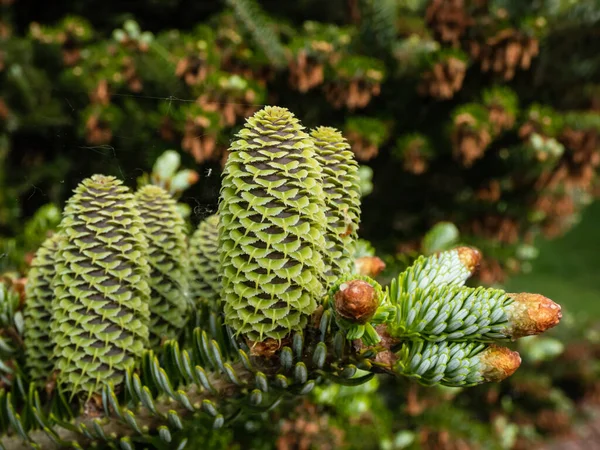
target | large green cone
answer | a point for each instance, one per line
(38, 311)
(167, 256)
(272, 227)
(342, 199)
(101, 293)
(205, 282)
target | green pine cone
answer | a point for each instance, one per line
(205, 282)
(341, 185)
(167, 256)
(38, 311)
(272, 227)
(101, 293)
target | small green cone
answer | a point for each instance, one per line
(167, 256)
(205, 282)
(341, 186)
(38, 311)
(100, 308)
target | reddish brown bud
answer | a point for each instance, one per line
(470, 257)
(268, 347)
(370, 266)
(532, 314)
(356, 301)
(498, 363)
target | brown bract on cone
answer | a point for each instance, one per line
(448, 19)
(97, 131)
(583, 157)
(191, 69)
(356, 301)
(431, 439)
(498, 363)
(532, 314)
(306, 72)
(363, 149)
(500, 119)
(353, 94)
(101, 93)
(196, 141)
(468, 144)
(557, 211)
(130, 75)
(230, 108)
(414, 161)
(505, 52)
(370, 266)
(70, 50)
(444, 79)
(490, 192)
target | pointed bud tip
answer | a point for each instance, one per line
(356, 301)
(470, 257)
(498, 363)
(533, 314)
(370, 266)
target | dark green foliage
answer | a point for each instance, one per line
(205, 278)
(168, 260)
(253, 19)
(101, 301)
(342, 199)
(38, 310)
(378, 25)
(101, 293)
(272, 227)
(467, 107)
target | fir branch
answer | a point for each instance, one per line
(378, 24)
(251, 16)
(115, 427)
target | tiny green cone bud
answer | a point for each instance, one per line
(167, 256)
(470, 257)
(531, 314)
(498, 363)
(183, 180)
(205, 281)
(356, 301)
(166, 165)
(342, 199)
